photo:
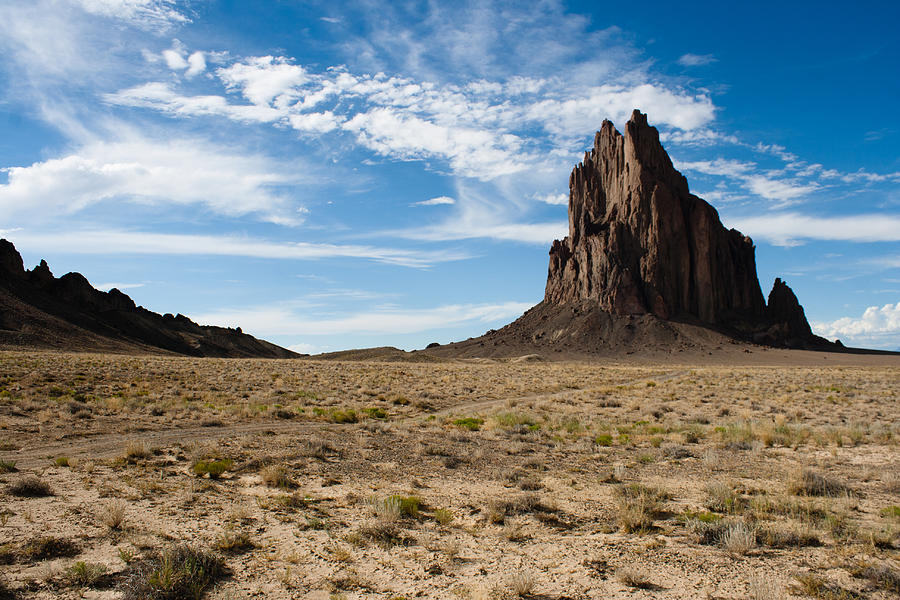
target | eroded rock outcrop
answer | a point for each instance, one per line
(639, 242)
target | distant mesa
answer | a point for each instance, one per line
(647, 265)
(38, 310)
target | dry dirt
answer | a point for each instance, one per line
(456, 479)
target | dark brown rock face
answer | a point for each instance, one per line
(640, 243)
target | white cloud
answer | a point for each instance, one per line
(284, 320)
(196, 63)
(105, 287)
(782, 191)
(555, 199)
(696, 60)
(483, 130)
(791, 228)
(159, 15)
(138, 170)
(174, 60)
(878, 327)
(112, 242)
(263, 79)
(435, 201)
(719, 166)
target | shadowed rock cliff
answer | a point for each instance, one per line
(38, 310)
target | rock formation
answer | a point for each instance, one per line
(40, 310)
(647, 268)
(639, 242)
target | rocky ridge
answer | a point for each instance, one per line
(39, 310)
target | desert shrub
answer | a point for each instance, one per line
(135, 450)
(708, 533)
(84, 574)
(604, 439)
(317, 448)
(521, 584)
(498, 510)
(30, 487)
(112, 514)
(738, 538)
(61, 461)
(213, 468)
(810, 483)
(634, 576)
(638, 505)
(781, 537)
(443, 516)
(376, 412)
(176, 573)
(7, 466)
(470, 423)
(720, 497)
(235, 542)
(277, 476)
(46, 547)
(392, 508)
(344, 416)
(383, 533)
(891, 511)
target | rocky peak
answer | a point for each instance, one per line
(640, 243)
(10, 260)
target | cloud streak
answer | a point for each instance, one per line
(139, 242)
(283, 320)
(792, 228)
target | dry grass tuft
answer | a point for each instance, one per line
(811, 483)
(176, 573)
(635, 576)
(30, 487)
(112, 514)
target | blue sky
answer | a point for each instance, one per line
(337, 175)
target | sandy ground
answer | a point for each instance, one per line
(458, 479)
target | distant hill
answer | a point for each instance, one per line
(38, 310)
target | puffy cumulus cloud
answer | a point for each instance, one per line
(115, 242)
(792, 228)
(179, 172)
(286, 320)
(264, 79)
(878, 327)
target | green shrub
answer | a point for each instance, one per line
(213, 468)
(84, 574)
(604, 439)
(8, 466)
(376, 412)
(344, 416)
(470, 423)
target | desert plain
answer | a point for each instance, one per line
(765, 475)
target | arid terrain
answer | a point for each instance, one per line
(165, 477)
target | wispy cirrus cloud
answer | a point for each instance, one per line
(119, 242)
(696, 60)
(793, 228)
(167, 172)
(287, 320)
